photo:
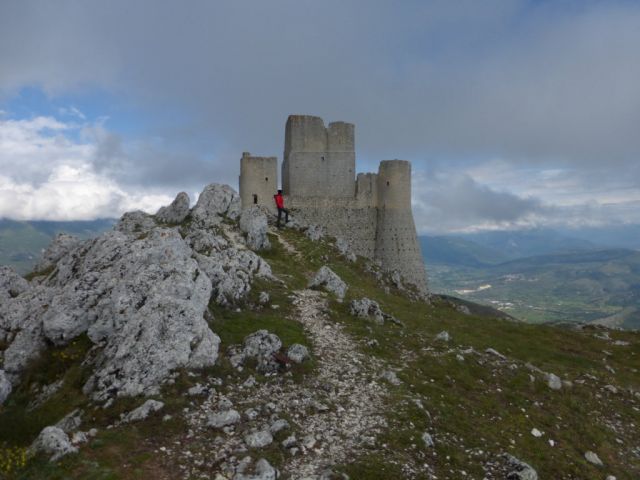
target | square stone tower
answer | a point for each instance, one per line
(258, 180)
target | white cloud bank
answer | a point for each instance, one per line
(47, 175)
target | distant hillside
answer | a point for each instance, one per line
(22, 242)
(600, 285)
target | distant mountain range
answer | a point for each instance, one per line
(22, 242)
(540, 275)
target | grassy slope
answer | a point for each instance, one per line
(474, 405)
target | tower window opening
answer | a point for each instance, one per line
(387, 183)
(266, 179)
(322, 158)
(255, 199)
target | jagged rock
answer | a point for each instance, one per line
(145, 300)
(521, 470)
(231, 272)
(53, 441)
(176, 212)
(253, 222)
(297, 353)
(59, 247)
(263, 298)
(11, 284)
(262, 346)
(263, 471)
(344, 248)
(278, 426)
(314, 232)
(258, 439)
(290, 441)
(366, 308)
(214, 202)
(428, 440)
(223, 419)
(206, 241)
(443, 336)
(5, 387)
(593, 458)
(135, 223)
(325, 277)
(70, 422)
(553, 381)
(143, 411)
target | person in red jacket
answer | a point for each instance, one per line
(280, 204)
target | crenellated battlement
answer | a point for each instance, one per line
(372, 212)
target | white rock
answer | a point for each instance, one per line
(536, 433)
(495, 353)
(263, 471)
(298, 353)
(223, 419)
(314, 232)
(262, 346)
(278, 426)
(367, 308)
(263, 298)
(215, 201)
(70, 421)
(143, 411)
(58, 248)
(135, 223)
(253, 222)
(325, 277)
(428, 440)
(553, 381)
(443, 336)
(176, 212)
(592, 457)
(521, 470)
(11, 284)
(258, 439)
(53, 441)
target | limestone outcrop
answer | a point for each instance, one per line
(176, 212)
(253, 222)
(139, 292)
(330, 281)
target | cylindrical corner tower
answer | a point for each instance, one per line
(397, 244)
(258, 180)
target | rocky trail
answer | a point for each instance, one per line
(324, 421)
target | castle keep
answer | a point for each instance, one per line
(372, 212)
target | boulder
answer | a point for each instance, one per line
(263, 471)
(223, 419)
(297, 353)
(427, 439)
(176, 212)
(314, 232)
(143, 411)
(325, 277)
(593, 458)
(553, 381)
(53, 441)
(520, 470)
(366, 308)
(135, 223)
(5, 387)
(58, 248)
(215, 202)
(253, 222)
(344, 247)
(11, 284)
(443, 336)
(231, 272)
(258, 439)
(262, 346)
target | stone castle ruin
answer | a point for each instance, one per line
(372, 211)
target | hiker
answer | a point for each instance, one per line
(280, 204)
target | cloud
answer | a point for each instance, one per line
(445, 202)
(47, 176)
(549, 88)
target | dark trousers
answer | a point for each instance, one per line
(286, 216)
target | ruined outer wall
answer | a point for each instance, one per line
(258, 176)
(318, 161)
(396, 243)
(345, 218)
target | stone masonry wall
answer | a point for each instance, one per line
(258, 180)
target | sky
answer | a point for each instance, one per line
(515, 114)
